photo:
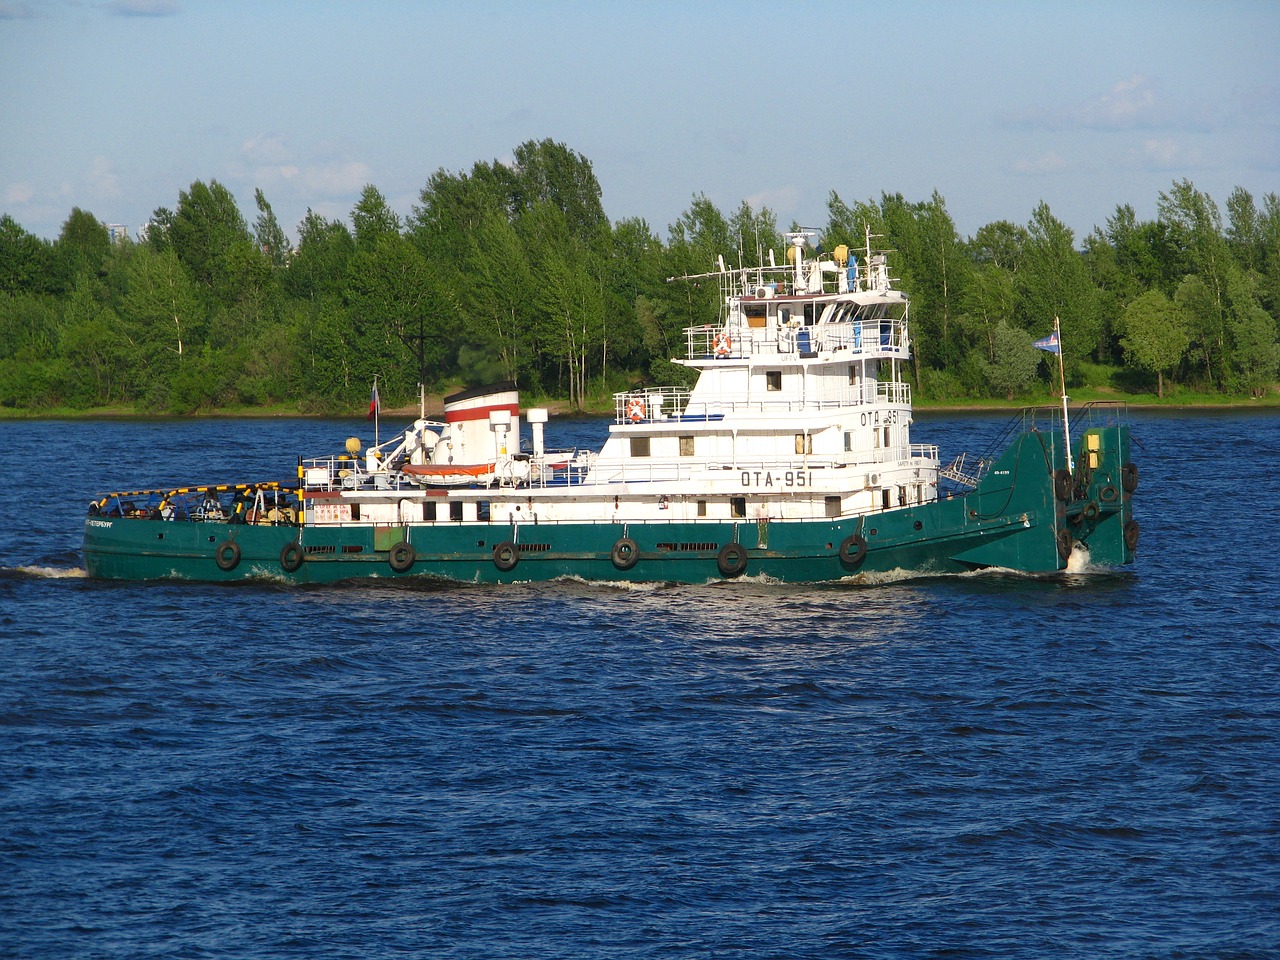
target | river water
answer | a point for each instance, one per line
(981, 766)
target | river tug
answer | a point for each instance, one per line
(791, 459)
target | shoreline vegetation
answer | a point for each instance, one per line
(559, 407)
(511, 271)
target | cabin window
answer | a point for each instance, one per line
(355, 511)
(875, 439)
(886, 436)
(853, 375)
(886, 498)
(773, 380)
(702, 508)
(482, 511)
(833, 506)
(686, 446)
(429, 511)
(804, 443)
(640, 446)
(755, 314)
(455, 510)
(848, 442)
(737, 507)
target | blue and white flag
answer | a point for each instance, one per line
(1049, 343)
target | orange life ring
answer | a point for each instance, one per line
(635, 409)
(724, 343)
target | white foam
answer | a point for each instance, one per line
(54, 573)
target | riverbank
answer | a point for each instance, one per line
(434, 406)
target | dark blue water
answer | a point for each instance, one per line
(985, 766)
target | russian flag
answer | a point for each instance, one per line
(373, 402)
(1049, 343)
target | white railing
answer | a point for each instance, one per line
(671, 404)
(863, 338)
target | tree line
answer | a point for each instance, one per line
(513, 271)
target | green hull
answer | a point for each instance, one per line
(1020, 516)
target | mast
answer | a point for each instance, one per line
(1062, 379)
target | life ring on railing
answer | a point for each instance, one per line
(636, 409)
(226, 555)
(723, 344)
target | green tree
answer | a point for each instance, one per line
(269, 234)
(496, 302)
(95, 355)
(206, 225)
(1014, 361)
(81, 247)
(550, 172)
(25, 260)
(397, 322)
(319, 268)
(1155, 334)
(373, 219)
(161, 319)
(1254, 353)
(1054, 282)
(1195, 228)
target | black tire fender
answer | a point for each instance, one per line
(1065, 543)
(1129, 477)
(1062, 484)
(291, 557)
(732, 560)
(401, 557)
(853, 550)
(625, 553)
(1131, 531)
(227, 555)
(505, 556)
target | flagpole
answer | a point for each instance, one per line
(377, 411)
(1062, 378)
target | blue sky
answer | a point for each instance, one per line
(115, 106)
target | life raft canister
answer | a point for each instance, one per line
(636, 409)
(724, 344)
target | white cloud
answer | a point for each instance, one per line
(16, 10)
(268, 160)
(103, 179)
(1045, 163)
(775, 198)
(1168, 154)
(143, 8)
(1128, 103)
(19, 194)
